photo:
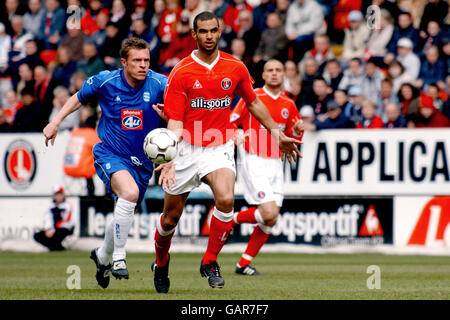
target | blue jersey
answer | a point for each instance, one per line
(127, 113)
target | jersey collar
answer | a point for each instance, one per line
(203, 63)
(270, 94)
(127, 85)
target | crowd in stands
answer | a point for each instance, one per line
(349, 63)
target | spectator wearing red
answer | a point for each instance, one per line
(369, 118)
(89, 20)
(193, 8)
(170, 17)
(231, 15)
(12, 106)
(428, 116)
(320, 52)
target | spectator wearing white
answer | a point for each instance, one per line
(304, 20)
(398, 75)
(321, 53)
(355, 37)
(19, 39)
(354, 75)
(380, 34)
(371, 83)
(407, 58)
(5, 47)
(307, 114)
(33, 18)
(61, 95)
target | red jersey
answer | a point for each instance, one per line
(259, 141)
(375, 123)
(200, 95)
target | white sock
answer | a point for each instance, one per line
(107, 248)
(123, 219)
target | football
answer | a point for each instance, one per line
(160, 145)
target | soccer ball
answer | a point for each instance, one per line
(160, 145)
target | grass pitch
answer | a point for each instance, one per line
(285, 277)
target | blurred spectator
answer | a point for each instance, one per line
(446, 57)
(140, 11)
(52, 24)
(386, 96)
(32, 19)
(11, 8)
(342, 99)
(110, 49)
(118, 15)
(158, 8)
(404, 29)
(43, 89)
(394, 118)
(333, 73)
(369, 118)
(5, 47)
(76, 82)
(432, 69)
(380, 35)
(261, 12)
(353, 75)
(58, 222)
(386, 5)
(90, 64)
(26, 78)
(371, 82)
(193, 8)
(248, 32)
(333, 119)
(282, 7)
(353, 110)
(4, 125)
(307, 79)
(409, 97)
(19, 38)
(355, 38)
(292, 82)
(304, 20)
(319, 97)
(433, 91)
(398, 75)
(408, 58)
(74, 39)
(435, 10)
(218, 7)
(168, 23)
(273, 41)
(29, 117)
(227, 36)
(99, 36)
(231, 14)
(307, 114)
(61, 95)
(431, 37)
(13, 104)
(428, 116)
(89, 20)
(320, 52)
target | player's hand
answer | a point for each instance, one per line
(159, 108)
(50, 131)
(49, 233)
(167, 176)
(288, 147)
(239, 137)
(299, 127)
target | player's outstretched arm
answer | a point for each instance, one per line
(287, 145)
(50, 131)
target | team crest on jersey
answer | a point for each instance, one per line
(20, 164)
(226, 84)
(197, 85)
(285, 113)
(146, 96)
(132, 119)
(261, 195)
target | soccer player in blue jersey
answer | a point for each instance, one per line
(127, 98)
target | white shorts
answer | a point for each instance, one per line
(192, 163)
(262, 178)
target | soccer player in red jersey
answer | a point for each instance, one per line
(197, 103)
(259, 161)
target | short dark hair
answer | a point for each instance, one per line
(132, 43)
(204, 16)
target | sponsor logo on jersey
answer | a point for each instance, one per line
(146, 96)
(132, 119)
(197, 85)
(20, 164)
(285, 113)
(201, 103)
(226, 84)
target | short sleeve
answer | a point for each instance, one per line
(245, 87)
(238, 113)
(175, 99)
(89, 89)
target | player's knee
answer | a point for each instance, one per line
(271, 219)
(225, 203)
(169, 221)
(130, 194)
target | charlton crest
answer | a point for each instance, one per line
(226, 84)
(20, 164)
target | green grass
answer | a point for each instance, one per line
(285, 276)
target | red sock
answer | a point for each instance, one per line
(257, 240)
(218, 234)
(162, 246)
(246, 216)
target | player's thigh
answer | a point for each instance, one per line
(124, 186)
(173, 208)
(221, 182)
(269, 212)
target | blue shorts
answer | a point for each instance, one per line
(108, 162)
